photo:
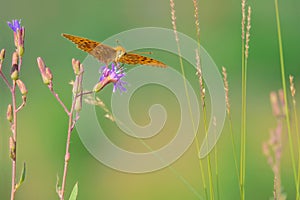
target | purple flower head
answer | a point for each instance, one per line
(15, 25)
(114, 76)
(19, 34)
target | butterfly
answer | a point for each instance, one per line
(107, 54)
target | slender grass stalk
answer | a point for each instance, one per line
(298, 178)
(202, 91)
(173, 17)
(293, 93)
(245, 53)
(217, 173)
(197, 24)
(243, 127)
(216, 161)
(226, 88)
(285, 97)
(202, 95)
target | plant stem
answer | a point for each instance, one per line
(67, 155)
(5, 80)
(70, 129)
(14, 136)
(216, 164)
(285, 96)
(243, 127)
(172, 4)
(298, 142)
(233, 148)
(58, 99)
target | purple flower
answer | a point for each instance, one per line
(113, 75)
(19, 34)
(15, 25)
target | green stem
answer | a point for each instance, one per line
(211, 188)
(193, 123)
(204, 109)
(243, 125)
(217, 171)
(298, 141)
(233, 148)
(285, 96)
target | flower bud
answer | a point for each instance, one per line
(76, 66)
(77, 84)
(77, 92)
(49, 74)
(74, 87)
(46, 81)
(23, 33)
(14, 74)
(14, 59)
(45, 72)
(21, 37)
(20, 50)
(78, 103)
(16, 39)
(12, 148)
(98, 86)
(22, 87)
(2, 54)
(41, 64)
(9, 113)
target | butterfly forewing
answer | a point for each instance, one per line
(103, 53)
(82, 43)
(133, 59)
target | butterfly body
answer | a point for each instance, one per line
(107, 54)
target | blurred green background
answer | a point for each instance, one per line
(43, 123)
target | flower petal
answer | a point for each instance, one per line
(15, 25)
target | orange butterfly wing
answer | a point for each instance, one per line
(82, 43)
(133, 59)
(103, 53)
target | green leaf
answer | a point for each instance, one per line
(22, 178)
(74, 192)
